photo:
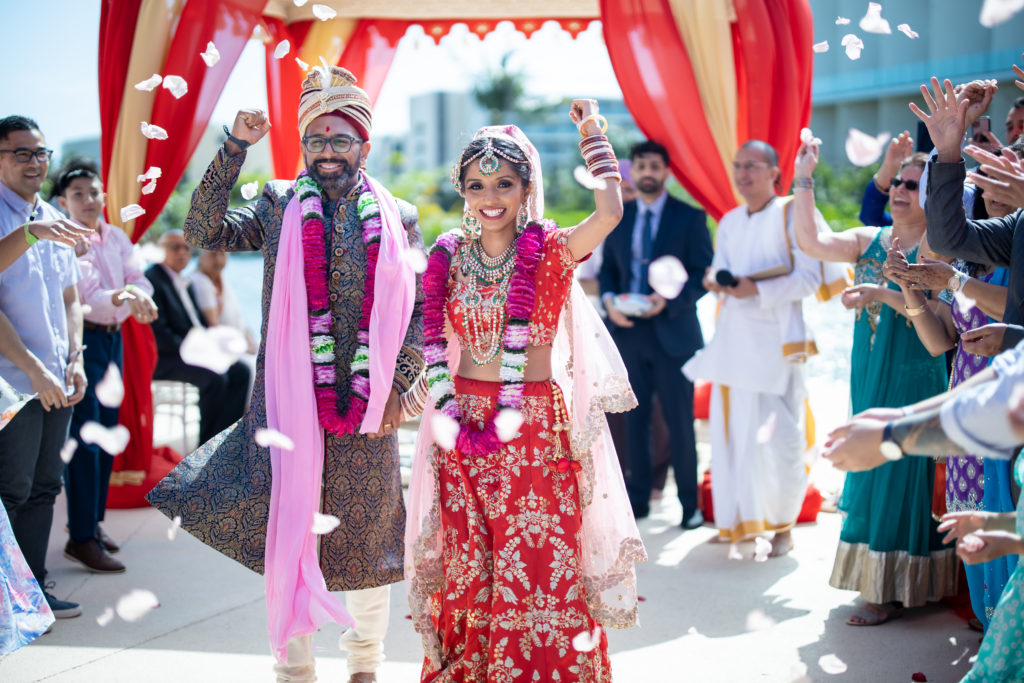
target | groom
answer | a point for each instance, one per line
(328, 376)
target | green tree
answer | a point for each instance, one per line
(500, 90)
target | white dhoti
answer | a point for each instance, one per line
(757, 487)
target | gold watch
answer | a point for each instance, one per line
(956, 281)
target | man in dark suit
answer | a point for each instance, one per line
(655, 345)
(221, 396)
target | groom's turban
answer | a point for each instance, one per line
(333, 90)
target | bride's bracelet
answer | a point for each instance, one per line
(600, 157)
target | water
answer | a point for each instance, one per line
(245, 273)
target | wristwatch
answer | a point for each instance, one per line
(889, 448)
(956, 281)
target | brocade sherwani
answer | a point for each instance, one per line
(222, 491)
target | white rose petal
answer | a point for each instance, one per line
(283, 48)
(507, 423)
(150, 83)
(323, 12)
(909, 32)
(734, 552)
(759, 621)
(872, 21)
(831, 664)
(249, 190)
(820, 47)
(177, 86)
(853, 45)
(587, 641)
(67, 451)
(842, 21)
(583, 177)
(272, 437)
(766, 431)
(153, 173)
(972, 543)
(149, 187)
(300, 3)
(110, 389)
(302, 64)
(151, 252)
(416, 258)
(212, 55)
(86, 309)
(136, 604)
(324, 524)
(131, 212)
(106, 617)
(445, 431)
(113, 440)
(761, 549)
(667, 276)
(863, 149)
(172, 530)
(995, 12)
(214, 348)
(963, 302)
(807, 136)
(153, 132)
(126, 296)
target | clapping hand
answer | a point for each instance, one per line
(946, 119)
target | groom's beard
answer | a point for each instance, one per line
(340, 179)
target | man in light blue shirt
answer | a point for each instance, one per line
(40, 349)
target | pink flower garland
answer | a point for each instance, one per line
(320, 318)
(522, 295)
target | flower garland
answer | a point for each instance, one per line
(522, 294)
(322, 342)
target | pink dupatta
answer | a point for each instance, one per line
(298, 601)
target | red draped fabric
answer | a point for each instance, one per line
(284, 79)
(117, 29)
(370, 51)
(773, 63)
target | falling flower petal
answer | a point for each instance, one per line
(150, 83)
(172, 530)
(67, 451)
(153, 132)
(86, 309)
(872, 21)
(283, 48)
(136, 604)
(445, 431)
(807, 137)
(820, 47)
(126, 296)
(853, 45)
(831, 664)
(907, 31)
(153, 173)
(300, 3)
(766, 431)
(323, 12)
(113, 439)
(131, 212)
(212, 55)
(863, 149)
(963, 302)
(214, 348)
(761, 549)
(507, 422)
(972, 543)
(583, 177)
(759, 621)
(995, 12)
(106, 617)
(110, 389)
(734, 552)
(151, 252)
(587, 641)
(272, 437)
(416, 259)
(149, 187)
(667, 276)
(324, 524)
(249, 190)
(302, 64)
(842, 21)
(963, 654)
(177, 86)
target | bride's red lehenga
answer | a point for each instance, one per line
(513, 597)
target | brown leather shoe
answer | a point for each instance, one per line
(92, 556)
(108, 543)
(363, 677)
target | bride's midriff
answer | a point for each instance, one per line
(538, 366)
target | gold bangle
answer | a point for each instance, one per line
(602, 121)
(912, 312)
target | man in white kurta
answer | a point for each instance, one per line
(755, 359)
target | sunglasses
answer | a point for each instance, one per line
(911, 185)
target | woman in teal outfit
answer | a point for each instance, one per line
(889, 549)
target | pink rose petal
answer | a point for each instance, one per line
(907, 31)
(153, 132)
(863, 149)
(149, 187)
(131, 212)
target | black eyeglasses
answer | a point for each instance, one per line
(911, 185)
(23, 154)
(315, 144)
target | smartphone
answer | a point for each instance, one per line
(982, 125)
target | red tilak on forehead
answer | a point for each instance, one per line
(328, 129)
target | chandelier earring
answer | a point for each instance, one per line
(522, 218)
(470, 224)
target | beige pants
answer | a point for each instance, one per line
(364, 642)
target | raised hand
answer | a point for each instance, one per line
(978, 95)
(1004, 176)
(900, 147)
(946, 119)
(582, 109)
(806, 160)
(1020, 75)
(250, 126)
